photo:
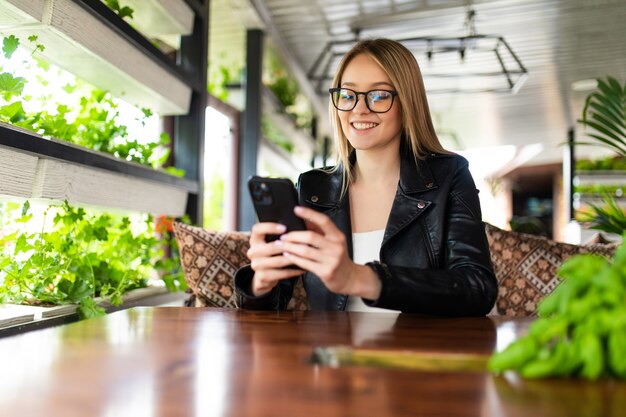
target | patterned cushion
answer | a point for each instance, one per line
(210, 260)
(526, 265)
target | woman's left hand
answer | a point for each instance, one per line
(323, 251)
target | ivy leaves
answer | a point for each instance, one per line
(76, 257)
(92, 122)
(9, 45)
(13, 112)
(11, 86)
(122, 12)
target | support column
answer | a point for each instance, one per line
(251, 129)
(188, 152)
(569, 171)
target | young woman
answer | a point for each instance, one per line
(396, 224)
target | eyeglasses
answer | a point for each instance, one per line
(377, 101)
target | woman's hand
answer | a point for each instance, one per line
(323, 251)
(267, 260)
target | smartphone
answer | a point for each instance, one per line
(274, 200)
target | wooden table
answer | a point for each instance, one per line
(176, 361)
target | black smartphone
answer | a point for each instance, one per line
(274, 200)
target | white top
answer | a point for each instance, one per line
(366, 248)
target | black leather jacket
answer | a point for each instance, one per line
(434, 257)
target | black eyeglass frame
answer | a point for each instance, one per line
(334, 90)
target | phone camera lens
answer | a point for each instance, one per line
(261, 193)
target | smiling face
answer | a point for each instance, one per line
(364, 129)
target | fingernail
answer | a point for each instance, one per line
(278, 242)
(298, 209)
(286, 254)
(281, 228)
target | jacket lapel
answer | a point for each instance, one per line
(341, 217)
(328, 200)
(415, 178)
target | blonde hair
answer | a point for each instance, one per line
(402, 69)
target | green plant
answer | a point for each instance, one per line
(122, 11)
(599, 189)
(611, 163)
(582, 326)
(605, 114)
(221, 76)
(609, 218)
(75, 257)
(90, 120)
(285, 90)
(11, 85)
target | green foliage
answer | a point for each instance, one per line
(11, 86)
(605, 114)
(600, 189)
(220, 76)
(285, 89)
(581, 331)
(76, 257)
(168, 266)
(92, 122)
(122, 11)
(9, 45)
(612, 163)
(609, 218)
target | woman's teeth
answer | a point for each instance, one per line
(363, 126)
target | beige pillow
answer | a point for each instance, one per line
(210, 260)
(526, 265)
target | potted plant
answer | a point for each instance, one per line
(604, 114)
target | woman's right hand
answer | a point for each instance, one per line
(267, 260)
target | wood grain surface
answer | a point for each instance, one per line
(177, 361)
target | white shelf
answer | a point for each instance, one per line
(289, 164)
(32, 176)
(600, 177)
(79, 42)
(162, 19)
(14, 315)
(304, 145)
(280, 161)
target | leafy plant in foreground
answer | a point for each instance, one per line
(582, 326)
